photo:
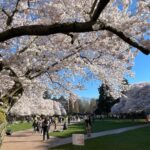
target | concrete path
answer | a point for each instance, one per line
(97, 134)
(26, 140)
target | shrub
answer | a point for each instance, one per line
(2, 117)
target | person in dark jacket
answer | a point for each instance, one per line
(88, 126)
(45, 126)
(35, 125)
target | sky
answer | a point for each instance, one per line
(141, 70)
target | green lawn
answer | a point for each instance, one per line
(138, 139)
(99, 125)
(75, 128)
(102, 125)
(19, 126)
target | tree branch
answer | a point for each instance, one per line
(50, 68)
(10, 17)
(15, 91)
(58, 83)
(42, 30)
(76, 27)
(93, 7)
(85, 59)
(3, 10)
(27, 46)
(128, 40)
(100, 7)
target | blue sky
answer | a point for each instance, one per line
(141, 70)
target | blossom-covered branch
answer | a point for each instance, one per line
(10, 16)
(75, 27)
(129, 40)
(15, 92)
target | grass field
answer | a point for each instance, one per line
(19, 126)
(138, 139)
(102, 125)
(99, 125)
(74, 128)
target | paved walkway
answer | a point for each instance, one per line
(98, 134)
(26, 140)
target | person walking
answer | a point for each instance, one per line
(35, 125)
(88, 126)
(45, 126)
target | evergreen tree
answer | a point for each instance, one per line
(106, 101)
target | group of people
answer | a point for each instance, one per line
(42, 125)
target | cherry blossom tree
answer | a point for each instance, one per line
(56, 42)
(136, 99)
(37, 106)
